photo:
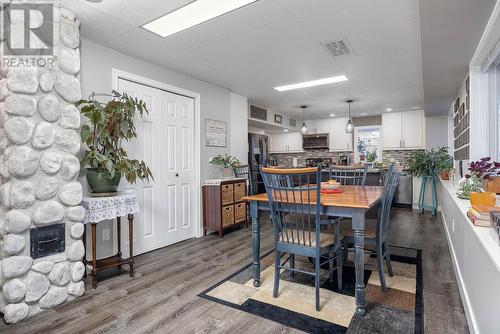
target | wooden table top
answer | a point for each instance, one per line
(359, 197)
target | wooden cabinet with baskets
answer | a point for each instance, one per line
(223, 205)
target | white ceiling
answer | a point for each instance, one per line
(450, 36)
(277, 42)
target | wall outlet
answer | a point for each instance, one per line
(391, 160)
(105, 234)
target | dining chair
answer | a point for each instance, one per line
(354, 176)
(376, 230)
(243, 171)
(294, 199)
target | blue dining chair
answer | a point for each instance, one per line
(353, 176)
(376, 231)
(294, 198)
(243, 171)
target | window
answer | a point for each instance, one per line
(369, 136)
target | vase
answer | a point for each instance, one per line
(227, 173)
(100, 181)
(487, 199)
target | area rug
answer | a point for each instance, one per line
(399, 310)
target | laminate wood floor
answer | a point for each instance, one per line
(162, 298)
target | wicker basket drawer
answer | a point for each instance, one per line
(240, 212)
(227, 194)
(240, 191)
(227, 215)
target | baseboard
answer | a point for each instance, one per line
(469, 313)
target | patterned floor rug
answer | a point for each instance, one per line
(399, 310)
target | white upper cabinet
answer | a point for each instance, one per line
(286, 142)
(403, 130)
(323, 125)
(413, 129)
(312, 126)
(391, 130)
(339, 140)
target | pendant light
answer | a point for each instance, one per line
(303, 128)
(349, 127)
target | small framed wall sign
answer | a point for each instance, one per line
(215, 133)
(278, 119)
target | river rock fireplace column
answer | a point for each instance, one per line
(40, 217)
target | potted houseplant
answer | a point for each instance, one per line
(470, 184)
(487, 172)
(428, 162)
(444, 162)
(361, 149)
(108, 125)
(371, 157)
(227, 163)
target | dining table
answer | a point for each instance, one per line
(351, 202)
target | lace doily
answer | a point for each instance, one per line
(103, 208)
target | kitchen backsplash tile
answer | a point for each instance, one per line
(395, 156)
(388, 156)
(287, 158)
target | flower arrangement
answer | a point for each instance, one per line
(469, 184)
(484, 168)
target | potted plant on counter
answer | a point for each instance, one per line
(227, 163)
(108, 125)
(361, 149)
(371, 157)
(486, 171)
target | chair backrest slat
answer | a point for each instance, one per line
(295, 204)
(349, 175)
(390, 185)
(243, 171)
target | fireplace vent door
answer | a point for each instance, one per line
(47, 240)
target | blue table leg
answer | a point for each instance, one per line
(358, 226)
(254, 216)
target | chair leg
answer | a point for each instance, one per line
(345, 253)
(340, 263)
(330, 264)
(316, 281)
(292, 265)
(380, 268)
(388, 261)
(276, 274)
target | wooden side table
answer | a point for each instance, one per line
(98, 209)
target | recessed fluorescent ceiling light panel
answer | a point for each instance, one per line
(312, 83)
(193, 14)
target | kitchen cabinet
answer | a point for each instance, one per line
(312, 126)
(323, 126)
(286, 142)
(403, 130)
(339, 140)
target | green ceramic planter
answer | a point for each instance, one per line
(100, 181)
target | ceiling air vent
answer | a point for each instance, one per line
(258, 112)
(337, 48)
(292, 122)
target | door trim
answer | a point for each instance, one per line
(118, 74)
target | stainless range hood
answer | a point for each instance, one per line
(315, 142)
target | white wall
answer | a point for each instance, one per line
(238, 127)
(436, 131)
(97, 64)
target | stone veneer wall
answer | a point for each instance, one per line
(39, 141)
